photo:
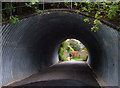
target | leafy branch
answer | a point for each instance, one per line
(14, 20)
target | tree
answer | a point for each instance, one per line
(69, 49)
(74, 44)
(63, 47)
(84, 50)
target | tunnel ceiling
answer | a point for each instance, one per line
(34, 43)
(51, 29)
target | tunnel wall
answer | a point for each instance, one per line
(106, 67)
(19, 58)
(0, 59)
(118, 58)
(34, 43)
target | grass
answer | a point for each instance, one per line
(78, 59)
(65, 59)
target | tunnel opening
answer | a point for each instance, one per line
(72, 50)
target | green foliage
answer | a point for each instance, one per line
(84, 9)
(111, 14)
(31, 5)
(84, 49)
(9, 8)
(101, 10)
(67, 46)
(14, 20)
(59, 61)
(28, 5)
(74, 44)
(86, 20)
(96, 22)
(78, 59)
(94, 28)
(39, 11)
(97, 15)
(61, 52)
(68, 4)
(105, 10)
(69, 49)
(75, 3)
(66, 60)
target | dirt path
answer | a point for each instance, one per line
(68, 58)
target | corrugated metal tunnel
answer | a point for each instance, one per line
(34, 44)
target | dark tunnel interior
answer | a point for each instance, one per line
(34, 44)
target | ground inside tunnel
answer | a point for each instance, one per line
(69, 73)
(33, 45)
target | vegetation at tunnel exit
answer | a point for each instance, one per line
(108, 11)
(78, 50)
